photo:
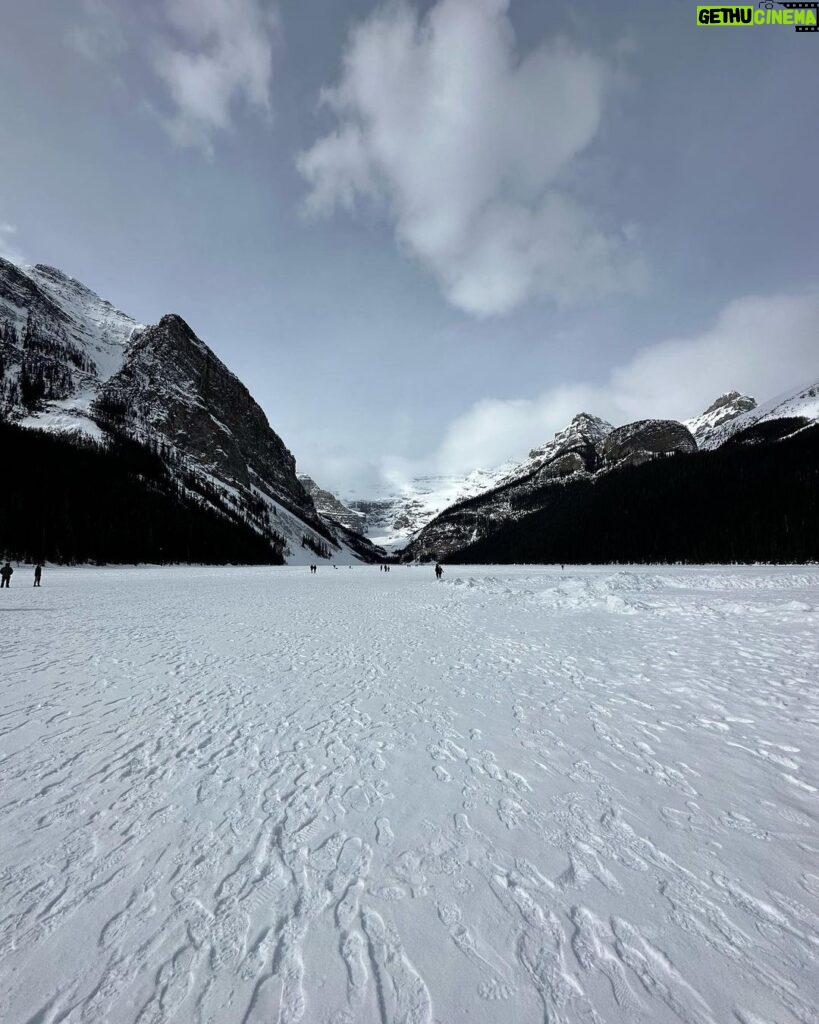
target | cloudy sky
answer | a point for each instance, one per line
(425, 234)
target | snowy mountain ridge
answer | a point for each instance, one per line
(706, 427)
(106, 331)
(588, 447)
(583, 430)
(71, 363)
(393, 518)
(801, 402)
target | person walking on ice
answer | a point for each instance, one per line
(5, 575)
(38, 574)
(439, 571)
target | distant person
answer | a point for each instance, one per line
(38, 574)
(5, 574)
(439, 571)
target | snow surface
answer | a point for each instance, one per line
(67, 416)
(256, 795)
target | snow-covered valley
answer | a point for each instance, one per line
(257, 795)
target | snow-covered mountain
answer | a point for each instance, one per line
(589, 446)
(586, 447)
(571, 450)
(799, 404)
(708, 427)
(58, 343)
(70, 362)
(393, 518)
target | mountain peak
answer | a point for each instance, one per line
(54, 272)
(706, 426)
(177, 324)
(731, 398)
(584, 429)
(60, 282)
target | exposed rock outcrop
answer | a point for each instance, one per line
(638, 442)
(329, 507)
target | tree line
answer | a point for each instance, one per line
(75, 500)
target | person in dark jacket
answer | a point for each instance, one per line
(439, 570)
(5, 574)
(38, 574)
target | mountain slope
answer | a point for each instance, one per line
(76, 500)
(329, 507)
(707, 427)
(800, 403)
(58, 341)
(572, 450)
(588, 446)
(420, 507)
(589, 449)
(70, 362)
(173, 389)
(754, 502)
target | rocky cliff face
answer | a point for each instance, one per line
(330, 508)
(69, 361)
(581, 437)
(171, 388)
(575, 449)
(638, 442)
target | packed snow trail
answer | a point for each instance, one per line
(248, 796)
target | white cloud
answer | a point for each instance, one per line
(219, 54)
(99, 36)
(8, 246)
(760, 345)
(211, 56)
(465, 143)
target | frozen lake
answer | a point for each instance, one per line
(245, 796)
